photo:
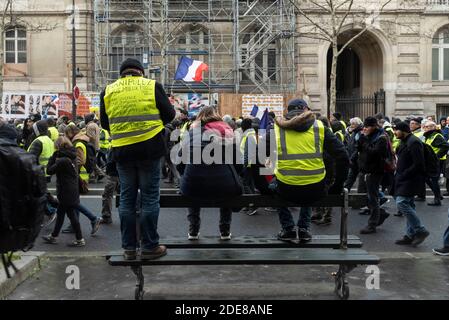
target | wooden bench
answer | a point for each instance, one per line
(341, 250)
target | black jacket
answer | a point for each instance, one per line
(439, 142)
(63, 164)
(215, 180)
(410, 172)
(150, 149)
(352, 142)
(333, 148)
(372, 152)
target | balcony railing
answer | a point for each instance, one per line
(437, 2)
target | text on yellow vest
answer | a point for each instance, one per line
(130, 104)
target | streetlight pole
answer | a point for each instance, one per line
(73, 61)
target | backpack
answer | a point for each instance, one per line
(91, 157)
(431, 161)
(23, 200)
(390, 160)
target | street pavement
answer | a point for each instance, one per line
(406, 272)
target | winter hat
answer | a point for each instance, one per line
(89, 117)
(35, 117)
(40, 128)
(337, 115)
(402, 126)
(297, 104)
(370, 122)
(131, 63)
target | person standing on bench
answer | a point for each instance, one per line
(134, 110)
(301, 141)
(209, 180)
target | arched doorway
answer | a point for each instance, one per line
(360, 73)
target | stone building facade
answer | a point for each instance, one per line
(408, 59)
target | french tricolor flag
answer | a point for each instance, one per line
(190, 70)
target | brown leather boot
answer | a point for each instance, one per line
(157, 252)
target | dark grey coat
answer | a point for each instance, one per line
(410, 173)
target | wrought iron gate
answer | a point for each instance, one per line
(362, 107)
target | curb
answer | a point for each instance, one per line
(29, 264)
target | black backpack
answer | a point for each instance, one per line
(23, 199)
(431, 161)
(91, 156)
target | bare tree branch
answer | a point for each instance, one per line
(362, 31)
(345, 16)
(310, 20)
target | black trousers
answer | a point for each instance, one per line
(433, 184)
(195, 220)
(373, 181)
(70, 212)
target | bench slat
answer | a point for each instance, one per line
(319, 241)
(255, 200)
(253, 257)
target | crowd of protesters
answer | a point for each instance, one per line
(384, 157)
(301, 156)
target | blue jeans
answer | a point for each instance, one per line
(406, 205)
(143, 176)
(446, 238)
(286, 218)
(86, 212)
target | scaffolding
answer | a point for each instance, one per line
(249, 45)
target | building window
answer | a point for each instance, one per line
(263, 65)
(194, 40)
(125, 43)
(15, 45)
(440, 55)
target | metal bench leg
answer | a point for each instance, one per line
(139, 292)
(344, 222)
(341, 284)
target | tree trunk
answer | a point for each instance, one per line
(333, 78)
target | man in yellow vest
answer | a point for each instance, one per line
(134, 110)
(415, 127)
(440, 147)
(301, 141)
(42, 146)
(52, 131)
(336, 116)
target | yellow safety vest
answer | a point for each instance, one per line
(246, 135)
(104, 139)
(130, 104)
(396, 142)
(54, 133)
(340, 135)
(84, 175)
(183, 130)
(430, 140)
(418, 134)
(343, 124)
(48, 148)
(300, 155)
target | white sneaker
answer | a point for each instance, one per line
(225, 236)
(192, 236)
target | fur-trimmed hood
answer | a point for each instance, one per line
(299, 121)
